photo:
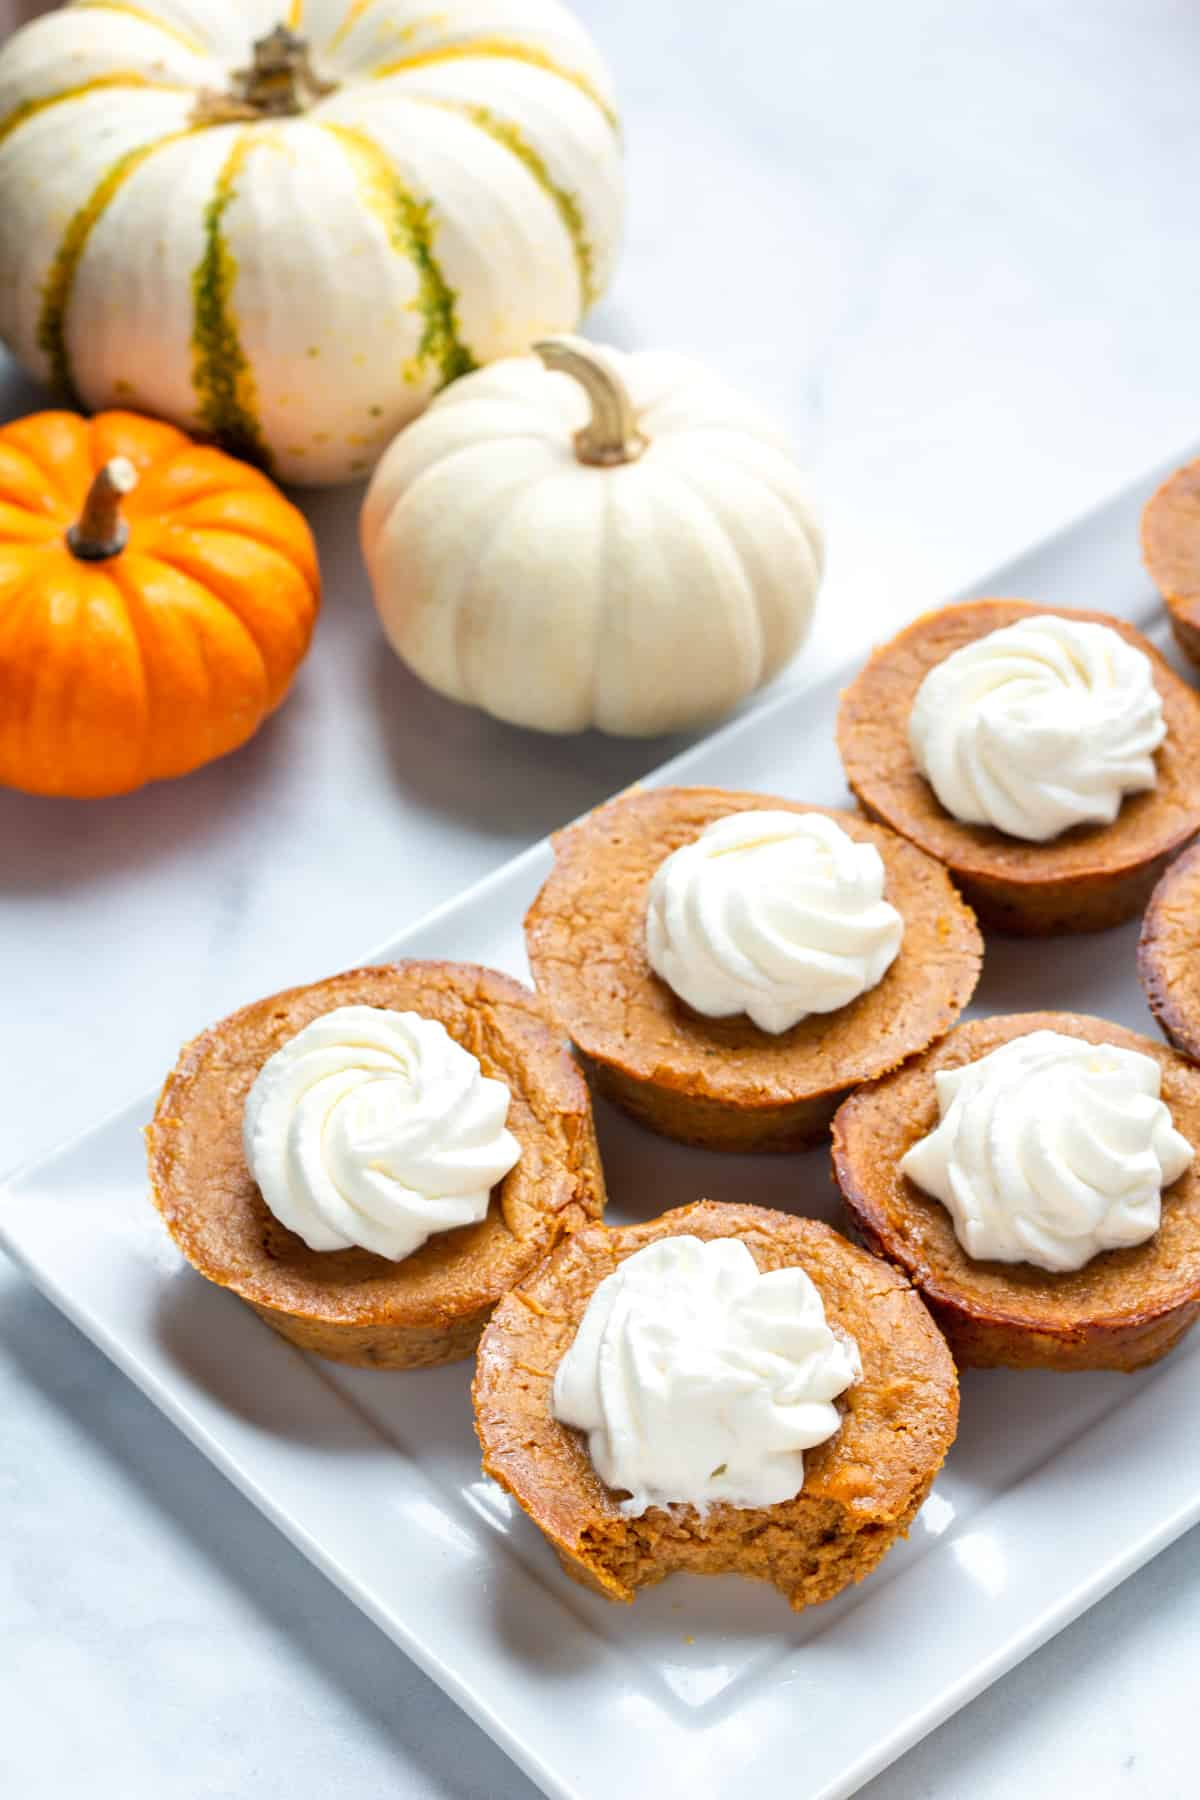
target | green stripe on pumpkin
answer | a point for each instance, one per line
(126, 78)
(565, 203)
(512, 49)
(60, 281)
(410, 227)
(221, 375)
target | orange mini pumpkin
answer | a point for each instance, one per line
(156, 597)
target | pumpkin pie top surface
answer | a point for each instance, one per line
(214, 1210)
(872, 734)
(878, 1124)
(898, 1419)
(585, 934)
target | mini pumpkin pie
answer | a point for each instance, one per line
(729, 965)
(1049, 758)
(371, 1161)
(1034, 1177)
(721, 1390)
(1171, 550)
(1169, 953)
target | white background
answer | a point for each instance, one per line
(955, 246)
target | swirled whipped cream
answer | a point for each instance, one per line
(1050, 1150)
(697, 1379)
(773, 914)
(1039, 726)
(374, 1128)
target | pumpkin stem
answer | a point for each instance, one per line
(611, 436)
(279, 84)
(100, 531)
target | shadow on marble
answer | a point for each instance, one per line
(20, 394)
(56, 843)
(464, 765)
(201, 1329)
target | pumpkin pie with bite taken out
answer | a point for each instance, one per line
(802, 1406)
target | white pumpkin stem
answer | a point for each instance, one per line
(611, 436)
(279, 84)
(100, 531)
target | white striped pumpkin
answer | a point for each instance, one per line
(298, 287)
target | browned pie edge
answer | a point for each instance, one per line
(649, 1088)
(400, 1335)
(980, 1332)
(1171, 553)
(849, 1512)
(1052, 889)
(1176, 1009)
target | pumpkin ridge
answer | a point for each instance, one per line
(221, 374)
(14, 726)
(105, 578)
(20, 525)
(754, 470)
(506, 133)
(237, 529)
(409, 224)
(48, 471)
(353, 14)
(122, 573)
(136, 611)
(145, 17)
(238, 477)
(45, 479)
(29, 109)
(60, 280)
(682, 480)
(511, 49)
(210, 580)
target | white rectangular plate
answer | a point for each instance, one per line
(1057, 1488)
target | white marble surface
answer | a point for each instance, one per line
(954, 247)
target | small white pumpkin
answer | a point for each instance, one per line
(288, 223)
(581, 537)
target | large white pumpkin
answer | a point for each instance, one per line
(582, 537)
(293, 241)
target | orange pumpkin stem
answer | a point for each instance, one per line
(611, 436)
(100, 531)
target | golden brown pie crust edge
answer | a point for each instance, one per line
(1169, 953)
(1171, 553)
(657, 1095)
(1016, 888)
(396, 1336)
(876, 1126)
(862, 1487)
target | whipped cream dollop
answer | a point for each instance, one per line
(374, 1128)
(1038, 726)
(1050, 1150)
(773, 914)
(697, 1379)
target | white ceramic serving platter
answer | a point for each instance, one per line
(1057, 1488)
